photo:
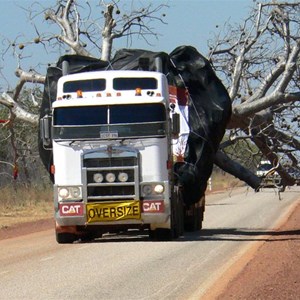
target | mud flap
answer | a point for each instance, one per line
(66, 234)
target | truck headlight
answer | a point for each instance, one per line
(147, 189)
(75, 192)
(159, 189)
(152, 189)
(63, 192)
(98, 177)
(110, 177)
(69, 193)
(123, 177)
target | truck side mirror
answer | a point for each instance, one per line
(45, 131)
(175, 124)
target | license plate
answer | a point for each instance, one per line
(109, 135)
(113, 211)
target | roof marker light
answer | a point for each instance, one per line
(138, 92)
(79, 93)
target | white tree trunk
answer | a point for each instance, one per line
(106, 49)
(17, 110)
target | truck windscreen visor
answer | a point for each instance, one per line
(109, 121)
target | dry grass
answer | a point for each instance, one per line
(224, 181)
(22, 204)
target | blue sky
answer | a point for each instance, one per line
(190, 22)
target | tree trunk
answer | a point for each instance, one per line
(106, 49)
(237, 170)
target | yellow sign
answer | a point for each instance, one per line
(113, 211)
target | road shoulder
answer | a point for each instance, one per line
(26, 228)
(269, 269)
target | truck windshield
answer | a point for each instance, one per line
(264, 167)
(109, 121)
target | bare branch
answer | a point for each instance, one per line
(275, 98)
(17, 110)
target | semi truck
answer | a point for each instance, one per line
(113, 135)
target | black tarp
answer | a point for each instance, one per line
(209, 104)
(209, 113)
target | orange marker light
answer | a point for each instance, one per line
(138, 92)
(79, 93)
(52, 169)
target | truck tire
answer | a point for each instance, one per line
(193, 217)
(177, 222)
(180, 213)
(65, 237)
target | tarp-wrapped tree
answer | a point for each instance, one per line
(209, 106)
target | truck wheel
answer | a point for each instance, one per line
(177, 223)
(65, 237)
(179, 214)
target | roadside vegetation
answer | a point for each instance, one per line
(25, 205)
(222, 181)
(20, 203)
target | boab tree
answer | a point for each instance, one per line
(258, 61)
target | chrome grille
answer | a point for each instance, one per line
(114, 160)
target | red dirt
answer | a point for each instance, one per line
(274, 270)
(26, 228)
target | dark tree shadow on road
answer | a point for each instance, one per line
(219, 234)
(242, 234)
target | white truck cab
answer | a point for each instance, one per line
(112, 135)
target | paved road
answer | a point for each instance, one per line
(130, 267)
